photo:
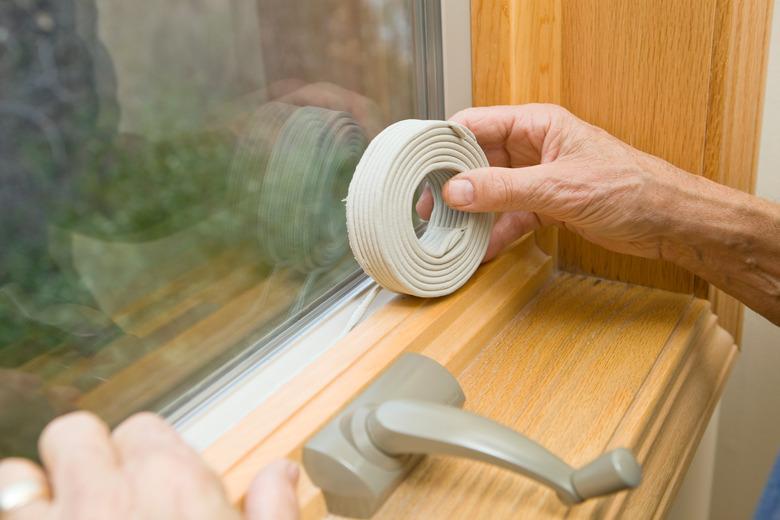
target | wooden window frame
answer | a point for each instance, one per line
(690, 356)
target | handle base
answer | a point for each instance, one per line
(354, 476)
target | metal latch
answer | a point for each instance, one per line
(414, 409)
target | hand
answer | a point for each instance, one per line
(141, 470)
(549, 167)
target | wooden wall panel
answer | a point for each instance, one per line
(516, 51)
(641, 71)
(681, 80)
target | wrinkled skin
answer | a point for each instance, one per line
(550, 168)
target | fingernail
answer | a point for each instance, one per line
(460, 192)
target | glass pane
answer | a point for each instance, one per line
(171, 184)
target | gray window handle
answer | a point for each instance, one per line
(414, 409)
(411, 426)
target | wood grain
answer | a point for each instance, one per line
(628, 366)
(584, 366)
(641, 71)
(681, 80)
(451, 329)
(516, 51)
(515, 59)
(634, 82)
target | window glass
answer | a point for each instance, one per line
(171, 183)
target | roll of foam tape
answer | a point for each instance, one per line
(380, 202)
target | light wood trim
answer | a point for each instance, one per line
(516, 51)
(451, 330)
(628, 366)
(515, 59)
(681, 80)
(582, 366)
(571, 53)
(698, 389)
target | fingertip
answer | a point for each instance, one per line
(497, 241)
(281, 469)
(466, 191)
(463, 116)
(492, 251)
(18, 471)
(75, 426)
(78, 454)
(418, 207)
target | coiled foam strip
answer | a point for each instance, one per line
(379, 209)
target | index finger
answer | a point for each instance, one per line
(519, 135)
(146, 433)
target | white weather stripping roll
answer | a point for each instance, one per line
(379, 209)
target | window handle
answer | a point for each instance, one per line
(411, 426)
(414, 408)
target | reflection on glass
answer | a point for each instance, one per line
(171, 184)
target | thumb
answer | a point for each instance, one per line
(500, 189)
(272, 495)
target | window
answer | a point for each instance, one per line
(171, 184)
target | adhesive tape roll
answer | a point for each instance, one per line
(379, 214)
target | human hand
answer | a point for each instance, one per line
(549, 167)
(141, 470)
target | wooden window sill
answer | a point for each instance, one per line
(579, 364)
